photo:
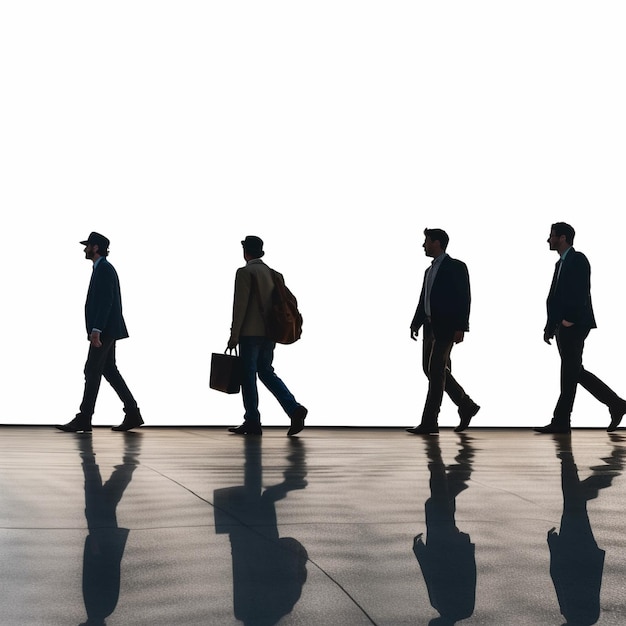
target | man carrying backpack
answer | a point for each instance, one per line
(256, 288)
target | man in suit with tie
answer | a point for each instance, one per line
(105, 325)
(570, 318)
(443, 311)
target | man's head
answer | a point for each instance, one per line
(96, 245)
(252, 247)
(561, 236)
(435, 241)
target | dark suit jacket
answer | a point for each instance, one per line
(103, 308)
(449, 300)
(570, 297)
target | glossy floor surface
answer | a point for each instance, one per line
(337, 526)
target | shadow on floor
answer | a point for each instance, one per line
(268, 571)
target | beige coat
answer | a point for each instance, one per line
(247, 318)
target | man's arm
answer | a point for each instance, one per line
(420, 313)
(243, 285)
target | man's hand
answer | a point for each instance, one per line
(546, 337)
(567, 324)
(458, 336)
(94, 339)
(414, 334)
(232, 344)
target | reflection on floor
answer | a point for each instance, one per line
(338, 526)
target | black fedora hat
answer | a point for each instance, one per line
(253, 245)
(96, 239)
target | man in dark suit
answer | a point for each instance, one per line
(105, 325)
(443, 311)
(570, 318)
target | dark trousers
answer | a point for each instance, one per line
(571, 341)
(257, 354)
(101, 362)
(437, 367)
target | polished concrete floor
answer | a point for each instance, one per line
(337, 526)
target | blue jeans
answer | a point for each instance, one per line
(257, 354)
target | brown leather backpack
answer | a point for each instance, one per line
(283, 322)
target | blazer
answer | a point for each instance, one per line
(103, 307)
(570, 296)
(450, 300)
(248, 321)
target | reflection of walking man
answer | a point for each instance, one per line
(443, 311)
(105, 325)
(269, 571)
(254, 285)
(576, 561)
(105, 543)
(570, 318)
(447, 557)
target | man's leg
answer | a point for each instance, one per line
(268, 377)
(249, 348)
(436, 358)
(466, 406)
(132, 415)
(598, 389)
(114, 378)
(94, 368)
(602, 392)
(96, 359)
(570, 342)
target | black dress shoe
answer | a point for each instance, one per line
(551, 429)
(423, 430)
(617, 413)
(246, 429)
(129, 423)
(297, 421)
(466, 412)
(132, 419)
(77, 425)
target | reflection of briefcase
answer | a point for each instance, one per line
(225, 373)
(229, 507)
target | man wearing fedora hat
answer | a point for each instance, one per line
(254, 285)
(105, 325)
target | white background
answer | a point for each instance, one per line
(336, 131)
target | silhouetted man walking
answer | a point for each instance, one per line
(570, 318)
(105, 325)
(254, 285)
(443, 311)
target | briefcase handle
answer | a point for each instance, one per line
(231, 351)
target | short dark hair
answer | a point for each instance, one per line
(562, 228)
(436, 234)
